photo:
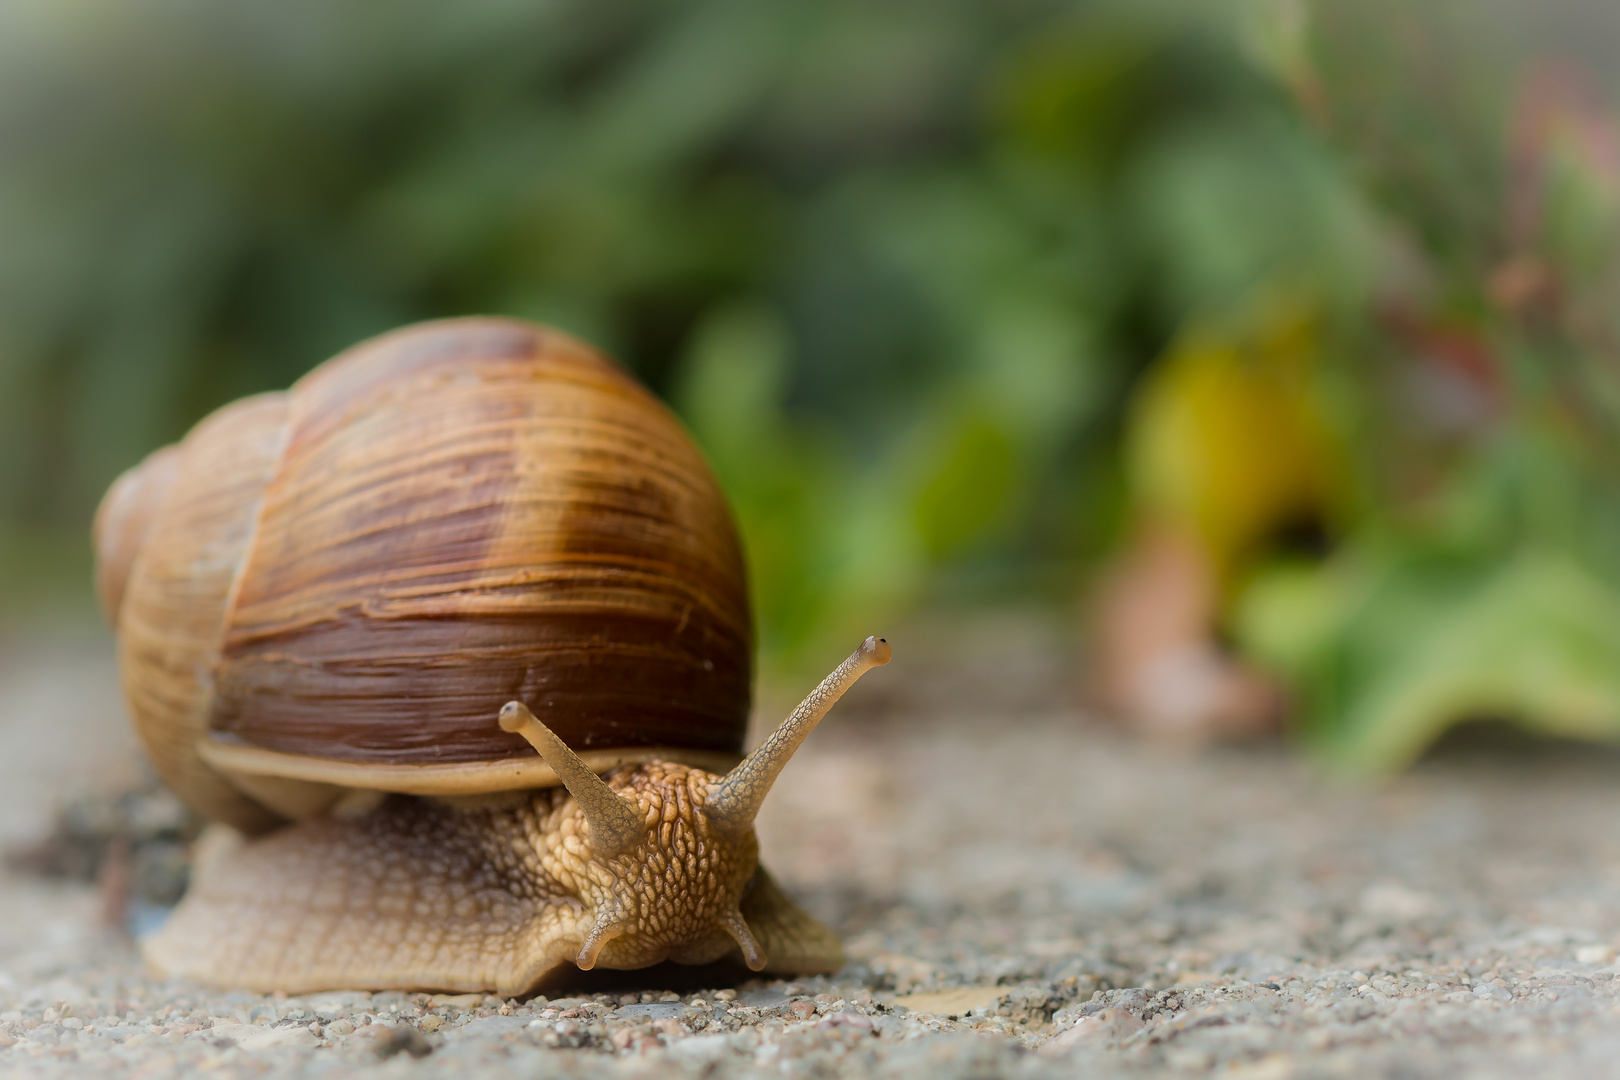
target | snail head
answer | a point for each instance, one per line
(661, 853)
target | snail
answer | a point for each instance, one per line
(454, 635)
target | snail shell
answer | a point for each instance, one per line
(469, 558)
(339, 586)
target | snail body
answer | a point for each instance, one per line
(336, 608)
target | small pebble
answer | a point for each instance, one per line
(403, 1039)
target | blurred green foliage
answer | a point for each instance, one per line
(1482, 577)
(896, 264)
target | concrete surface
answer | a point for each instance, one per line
(1023, 892)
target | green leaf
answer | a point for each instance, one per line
(1391, 653)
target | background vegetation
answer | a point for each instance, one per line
(901, 267)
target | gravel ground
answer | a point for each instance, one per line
(1022, 891)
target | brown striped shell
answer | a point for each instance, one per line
(338, 587)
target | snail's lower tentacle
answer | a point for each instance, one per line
(737, 927)
(609, 925)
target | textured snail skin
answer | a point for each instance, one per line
(420, 895)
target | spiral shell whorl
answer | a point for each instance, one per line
(175, 605)
(123, 521)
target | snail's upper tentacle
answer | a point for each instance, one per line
(735, 799)
(616, 824)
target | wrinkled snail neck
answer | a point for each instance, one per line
(616, 824)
